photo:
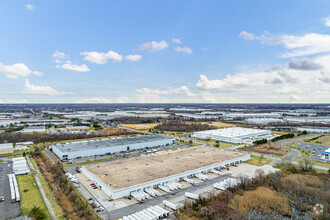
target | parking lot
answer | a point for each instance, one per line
(7, 208)
(316, 149)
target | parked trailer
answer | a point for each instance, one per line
(215, 171)
(191, 195)
(220, 186)
(146, 196)
(138, 216)
(155, 191)
(130, 217)
(125, 218)
(164, 188)
(170, 204)
(166, 213)
(201, 176)
(12, 194)
(136, 196)
(161, 213)
(150, 192)
(150, 215)
(172, 188)
(179, 185)
(141, 214)
(135, 217)
(192, 182)
(154, 213)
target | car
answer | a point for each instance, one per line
(2, 199)
(90, 199)
(235, 165)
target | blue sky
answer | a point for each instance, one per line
(164, 51)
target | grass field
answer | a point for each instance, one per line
(140, 126)
(269, 148)
(31, 197)
(315, 162)
(258, 161)
(49, 194)
(318, 139)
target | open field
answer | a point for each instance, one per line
(136, 170)
(140, 126)
(269, 148)
(258, 161)
(318, 139)
(219, 124)
(314, 162)
(30, 195)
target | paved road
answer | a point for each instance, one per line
(7, 208)
(43, 194)
(168, 196)
(51, 155)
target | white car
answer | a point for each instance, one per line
(2, 199)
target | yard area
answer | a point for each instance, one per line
(140, 126)
(269, 148)
(318, 139)
(258, 161)
(315, 162)
(219, 124)
(30, 195)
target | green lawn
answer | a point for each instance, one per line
(315, 162)
(32, 196)
(258, 161)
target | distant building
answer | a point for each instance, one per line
(233, 134)
(312, 129)
(327, 154)
(34, 129)
(108, 146)
(6, 148)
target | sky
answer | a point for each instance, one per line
(156, 51)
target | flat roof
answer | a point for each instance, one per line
(102, 143)
(136, 170)
(232, 132)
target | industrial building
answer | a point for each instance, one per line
(109, 146)
(20, 166)
(122, 178)
(34, 129)
(312, 129)
(6, 148)
(233, 134)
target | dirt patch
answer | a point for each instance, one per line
(269, 148)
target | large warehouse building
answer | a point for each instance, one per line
(108, 146)
(233, 134)
(122, 177)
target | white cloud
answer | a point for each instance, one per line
(123, 99)
(228, 83)
(297, 45)
(74, 67)
(183, 50)
(288, 90)
(154, 46)
(94, 100)
(59, 55)
(307, 44)
(133, 58)
(17, 70)
(6, 101)
(246, 36)
(176, 40)
(30, 7)
(41, 90)
(326, 21)
(102, 58)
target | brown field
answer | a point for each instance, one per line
(218, 124)
(262, 198)
(269, 148)
(140, 126)
(325, 140)
(132, 171)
